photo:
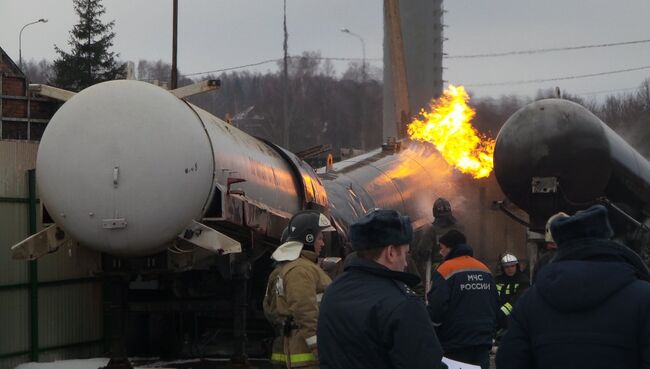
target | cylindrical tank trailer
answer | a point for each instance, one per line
(555, 155)
(124, 167)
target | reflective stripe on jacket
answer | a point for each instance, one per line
(296, 359)
(509, 290)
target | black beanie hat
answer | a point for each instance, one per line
(452, 239)
(590, 223)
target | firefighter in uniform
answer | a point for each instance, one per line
(425, 252)
(511, 283)
(294, 291)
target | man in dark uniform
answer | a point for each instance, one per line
(369, 316)
(463, 302)
(511, 283)
(590, 307)
(425, 251)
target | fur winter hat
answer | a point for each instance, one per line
(379, 228)
(590, 223)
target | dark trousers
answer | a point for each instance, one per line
(476, 355)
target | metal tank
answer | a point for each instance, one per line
(124, 167)
(555, 155)
(406, 176)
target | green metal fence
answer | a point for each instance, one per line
(33, 285)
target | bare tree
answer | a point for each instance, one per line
(38, 71)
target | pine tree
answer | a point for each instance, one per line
(90, 60)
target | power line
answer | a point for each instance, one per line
(467, 56)
(267, 61)
(547, 50)
(602, 92)
(523, 82)
(233, 68)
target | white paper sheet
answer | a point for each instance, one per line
(453, 364)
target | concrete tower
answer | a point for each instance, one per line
(421, 34)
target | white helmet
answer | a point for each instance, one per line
(548, 237)
(509, 259)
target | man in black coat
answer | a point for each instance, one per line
(369, 316)
(463, 302)
(590, 307)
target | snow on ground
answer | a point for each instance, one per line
(67, 364)
(96, 363)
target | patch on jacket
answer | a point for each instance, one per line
(279, 286)
(408, 291)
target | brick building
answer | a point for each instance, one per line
(22, 116)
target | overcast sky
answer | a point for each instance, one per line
(215, 34)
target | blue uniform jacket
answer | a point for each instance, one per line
(590, 308)
(371, 318)
(463, 301)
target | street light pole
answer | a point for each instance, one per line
(363, 50)
(362, 90)
(20, 41)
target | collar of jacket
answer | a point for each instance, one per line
(372, 267)
(292, 250)
(287, 251)
(460, 250)
(309, 255)
(602, 250)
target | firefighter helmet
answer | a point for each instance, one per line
(548, 237)
(305, 225)
(509, 259)
(441, 207)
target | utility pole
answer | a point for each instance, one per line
(174, 81)
(286, 126)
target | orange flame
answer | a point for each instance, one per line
(448, 127)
